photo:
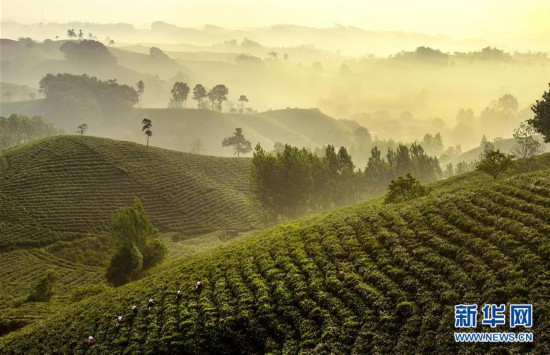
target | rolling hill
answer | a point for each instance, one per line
(47, 199)
(57, 196)
(364, 279)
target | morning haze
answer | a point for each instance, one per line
(273, 177)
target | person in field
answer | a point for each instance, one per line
(198, 286)
(150, 304)
(179, 295)
(135, 310)
(118, 321)
(91, 340)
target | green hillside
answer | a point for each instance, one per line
(63, 187)
(365, 279)
(57, 196)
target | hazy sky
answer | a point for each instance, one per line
(457, 18)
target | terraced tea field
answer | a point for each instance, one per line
(365, 279)
(63, 187)
(57, 196)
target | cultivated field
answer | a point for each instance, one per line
(364, 279)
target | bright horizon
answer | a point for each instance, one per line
(497, 19)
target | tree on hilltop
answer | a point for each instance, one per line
(218, 94)
(71, 33)
(180, 91)
(238, 142)
(147, 128)
(88, 51)
(243, 99)
(199, 93)
(82, 129)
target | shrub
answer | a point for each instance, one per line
(405, 189)
(494, 163)
(132, 230)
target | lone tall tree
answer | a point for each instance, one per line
(140, 90)
(180, 91)
(82, 129)
(199, 93)
(238, 142)
(541, 121)
(243, 99)
(147, 125)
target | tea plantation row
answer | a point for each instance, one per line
(364, 279)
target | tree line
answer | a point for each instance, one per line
(398, 162)
(86, 90)
(291, 182)
(18, 129)
(217, 96)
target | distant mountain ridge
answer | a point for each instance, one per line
(348, 39)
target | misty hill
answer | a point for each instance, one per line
(344, 38)
(364, 279)
(431, 84)
(26, 62)
(504, 145)
(64, 188)
(180, 129)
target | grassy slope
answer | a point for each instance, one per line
(363, 279)
(54, 214)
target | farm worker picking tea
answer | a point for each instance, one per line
(198, 286)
